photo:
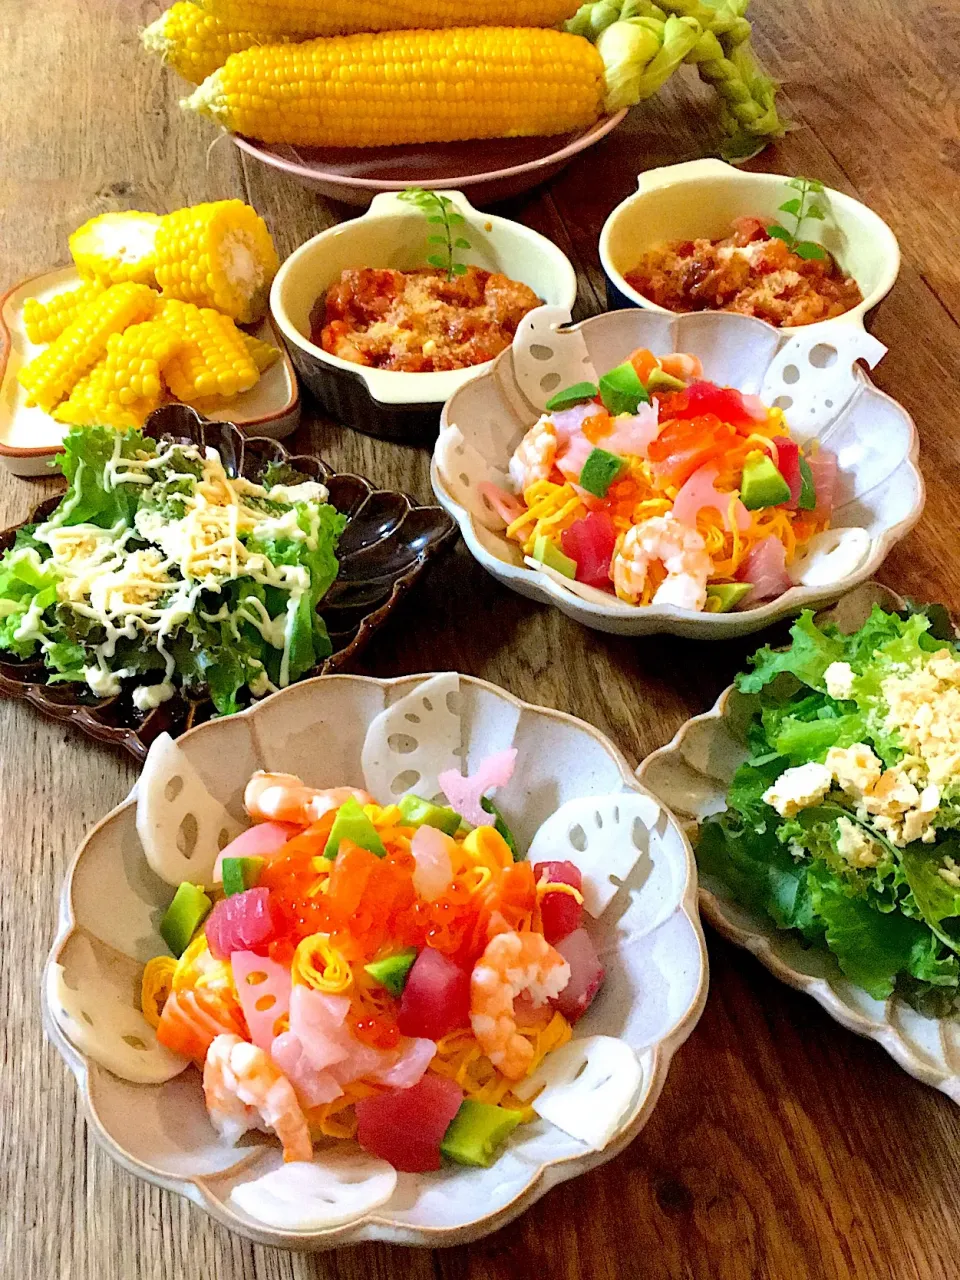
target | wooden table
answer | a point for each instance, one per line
(783, 1146)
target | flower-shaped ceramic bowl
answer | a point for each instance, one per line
(691, 774)
(700, 199)
(815, 379)
(385, 402)
(387, 544)
(649, 938)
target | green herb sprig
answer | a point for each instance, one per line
(801, 208)
(440, 212)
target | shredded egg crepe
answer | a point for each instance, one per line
(158, 571)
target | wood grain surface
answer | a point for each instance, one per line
(783, 1147)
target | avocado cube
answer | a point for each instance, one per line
(351, 823)
(580, 393)
(188, 910)
(392, 971)
(477, 1132)
(240, 874)
(762, 484)
(600, 470)
(622, 391)
(421, 813)
(727, 595)
(549, 553)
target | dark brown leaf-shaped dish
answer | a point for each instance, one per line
(387, 543)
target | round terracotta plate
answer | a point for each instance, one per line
(488, 171)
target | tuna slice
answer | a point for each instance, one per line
(406, 1126)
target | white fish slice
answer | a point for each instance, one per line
(181, 826)
(413, 740)
(587, 1086)
(336, 1188)
(94, 1018)
(599, 835)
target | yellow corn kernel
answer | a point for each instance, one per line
(45, 321)
(264, 355)
(408, 87)
(54, 373)
(218, 255)
(195, 43)
(127, 384)
(343, 17)
(213, 360)
(117, 247)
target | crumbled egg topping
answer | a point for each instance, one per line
(894, 805)
(855, 845)
(923, 706)
(839, 677)
(799, 788)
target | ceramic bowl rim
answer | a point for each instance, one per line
(193, 1188)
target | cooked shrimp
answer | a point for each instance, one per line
(513, 964)
(283, 797)
(680, 365)
(244, 1090)
(682, 552)
(534, 455)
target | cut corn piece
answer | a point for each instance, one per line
(408, 87)
(117, 247)
(218, 255)
(195, 43)
(344, 17)
(213, 360)
(45, 321)
(264, 355)
(127, 384)
(55, 372)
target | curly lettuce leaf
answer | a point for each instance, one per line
(872, 949)
(812, 650)
(88, 500)
(759, 873)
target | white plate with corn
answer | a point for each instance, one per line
(149, 312)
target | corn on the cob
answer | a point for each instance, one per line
(408, 87)
(264, 355)
(344, 17)
(54, 373)
(213, 360)
(195, 43)
(117, 247)
(217, 255)
(127, 384)
(45, 321)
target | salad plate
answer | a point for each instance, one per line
(338, 729)
(827, 403)
(387, 544)
(692, 774)
(31, 439)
